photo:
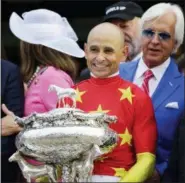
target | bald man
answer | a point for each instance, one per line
(133, 159)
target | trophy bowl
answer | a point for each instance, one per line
(64, 136)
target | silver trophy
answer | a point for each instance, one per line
(68, 137)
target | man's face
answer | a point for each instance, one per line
(103, 54)
(131, 32)
(158, 39)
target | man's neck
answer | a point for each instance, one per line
(135, 57)
(112, 75)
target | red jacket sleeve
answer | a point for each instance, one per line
(145, 129)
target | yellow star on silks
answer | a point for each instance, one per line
(99, 109)
(126, 94)
(119, 172)
(79, 95)
(126, 137)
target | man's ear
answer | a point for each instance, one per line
(85, 50)
(125, 53)
(175, 49)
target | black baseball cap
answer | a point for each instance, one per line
(123, 10)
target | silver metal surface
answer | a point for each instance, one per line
(64, 136)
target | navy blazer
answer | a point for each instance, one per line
(170, 89)
(12, 94)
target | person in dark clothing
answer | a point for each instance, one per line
(176, 168)
(12, 95)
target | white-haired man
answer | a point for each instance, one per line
(156, 72)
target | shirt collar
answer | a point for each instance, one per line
(158, 71)
(115, 74)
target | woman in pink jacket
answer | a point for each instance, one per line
(47, 46)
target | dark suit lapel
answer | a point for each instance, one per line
(167, 85)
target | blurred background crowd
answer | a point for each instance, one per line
(82, 15)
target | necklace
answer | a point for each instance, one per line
(34, 76)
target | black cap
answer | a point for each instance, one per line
(123, 10)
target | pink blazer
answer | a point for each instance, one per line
(38, 98)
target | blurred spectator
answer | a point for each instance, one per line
(126, 15)
(176, 169)
(12, 94)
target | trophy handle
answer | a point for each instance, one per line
(62, 94)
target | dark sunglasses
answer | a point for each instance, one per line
(149, 33)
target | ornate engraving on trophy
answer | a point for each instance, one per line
(65, 136)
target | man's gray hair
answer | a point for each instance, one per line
(162, 8)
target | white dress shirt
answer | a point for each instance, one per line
(154, 81)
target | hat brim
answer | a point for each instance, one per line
(117, 16)
(62, 44)
(67, 46)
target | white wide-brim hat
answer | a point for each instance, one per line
(46, 28)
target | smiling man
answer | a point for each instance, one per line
(157, 73)
(104, 55)
(127, 16)
(106, 92)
